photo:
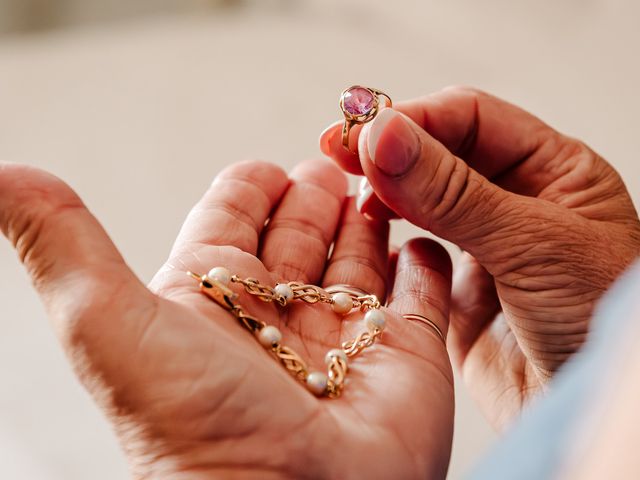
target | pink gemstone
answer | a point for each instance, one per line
(358, 101)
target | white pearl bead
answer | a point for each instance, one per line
(269, 336)
(317, 382)
(283, 290)
(220, 274)
(375, 319)
(342, 303)
(335, 353)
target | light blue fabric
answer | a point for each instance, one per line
(536, 445)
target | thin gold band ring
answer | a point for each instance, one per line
(427, 322)
(344, 288)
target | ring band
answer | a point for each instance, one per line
(359, 105)
(344, 288)
(428, 322)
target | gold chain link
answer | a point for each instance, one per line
(252, 286)
(311, 294)
(292, 362)
(362, 341)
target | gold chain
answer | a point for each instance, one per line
(215, 285)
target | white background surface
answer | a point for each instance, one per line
(139, 116)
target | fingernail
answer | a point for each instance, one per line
(364, 193)
(400, 145)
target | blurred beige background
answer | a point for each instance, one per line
(137, 104)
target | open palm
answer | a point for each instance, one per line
(190, 393)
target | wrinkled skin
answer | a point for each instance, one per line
(190, 393)
(545, 222)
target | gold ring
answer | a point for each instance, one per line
(344, 288)
(359, 105)
(428, 322)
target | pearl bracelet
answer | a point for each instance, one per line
(342, 299)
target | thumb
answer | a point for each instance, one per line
(75, 267)
(422, 181)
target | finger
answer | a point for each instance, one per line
(423, 284)
(369, 205)
(359, 257)
(296, 242)
(429, 186)
(410, 365)
(491, 135)
(234, 209)
(502, 142)
(331, 145)
(394, 251)
(82, 279)
(474, 304)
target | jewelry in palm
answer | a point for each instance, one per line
(343, 299)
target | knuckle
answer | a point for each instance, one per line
(415, 299)
(28, 234)
(290, 271)
(231, 231)
(30, 229)
(456, 183)
(590, 165)
(419, 286)
(455, 197)
(300, 227)
(357, 269)
(577, 168)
